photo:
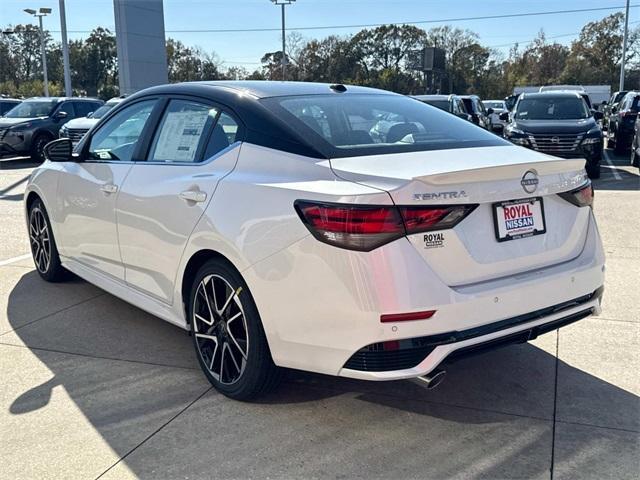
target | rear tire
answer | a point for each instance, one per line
(228, 336)
(37, 147)
(43, 246)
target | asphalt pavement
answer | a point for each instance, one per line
(93, 387)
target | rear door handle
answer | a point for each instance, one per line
(193, 196)
(109, 188)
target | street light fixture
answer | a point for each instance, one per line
(42, 12)
(282, 4)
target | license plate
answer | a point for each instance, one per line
(518, 219)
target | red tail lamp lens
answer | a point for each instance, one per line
(365, 227)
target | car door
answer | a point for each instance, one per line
(88, 189)
(195, 145)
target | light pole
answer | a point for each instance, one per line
(42, 12)
(65, 51)
(282, 4)
(624, 47)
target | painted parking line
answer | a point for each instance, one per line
(611, 165)
(11, 260)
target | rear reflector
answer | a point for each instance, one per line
(406, 317)
(365, 227)
(581, 197)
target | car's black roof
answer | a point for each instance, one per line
(263, 88)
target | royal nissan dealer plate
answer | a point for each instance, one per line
(519, 218)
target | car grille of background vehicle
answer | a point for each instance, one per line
(563, 145)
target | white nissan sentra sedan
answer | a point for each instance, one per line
(336, 229)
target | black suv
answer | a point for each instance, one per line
(449, 103)
(622, 122)
(608, 106)
(7, 104)
(557, 123)
(479, 114)
(29, 126)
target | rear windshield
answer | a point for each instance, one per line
(362, 124)
(494, 105)
(552, 108)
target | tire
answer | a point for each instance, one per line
(227, 333)
(634, 156)
(43, 246)
(37, 147)
(619, 146)
(593, 170)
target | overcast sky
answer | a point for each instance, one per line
(246, 48)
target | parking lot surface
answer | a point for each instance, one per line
(93, 387)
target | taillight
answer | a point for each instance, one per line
(424, 219)
(364, 227)
(581, 197)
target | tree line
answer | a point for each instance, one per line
(380, 57)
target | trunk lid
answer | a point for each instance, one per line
(470, 252)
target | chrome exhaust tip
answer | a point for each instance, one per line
(433, 379)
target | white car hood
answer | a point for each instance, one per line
(83, 122)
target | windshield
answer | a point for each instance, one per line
(494, 105)
(30, 109)
(363, 124)
(102, 111)
(552, 108)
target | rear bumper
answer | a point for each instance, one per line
(369, 363)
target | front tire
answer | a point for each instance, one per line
(37, 148)
(593, 170)
(43, 246)
(227, 332)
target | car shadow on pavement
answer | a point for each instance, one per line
(502, 401)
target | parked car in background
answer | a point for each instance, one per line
(7, 104)
(449, 103)
(622, 122)
(635, 145)
(479, 114)
(612, 102)
(29, 126)
(557, 123)
(498, 106)
(75, 129)
(264, 218)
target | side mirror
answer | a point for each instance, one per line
(504, 116)
(614, 109)
(597, 115)
(60, 150)
(489, 111)
(61, 115)
(89, 115)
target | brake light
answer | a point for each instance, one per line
(581, 197)
(365, 227)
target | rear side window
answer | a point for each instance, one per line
(223, 134)
(85, 108)
(385, 124)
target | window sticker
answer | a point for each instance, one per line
(180, 135)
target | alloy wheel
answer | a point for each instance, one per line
(40, 239)
(220, 329)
